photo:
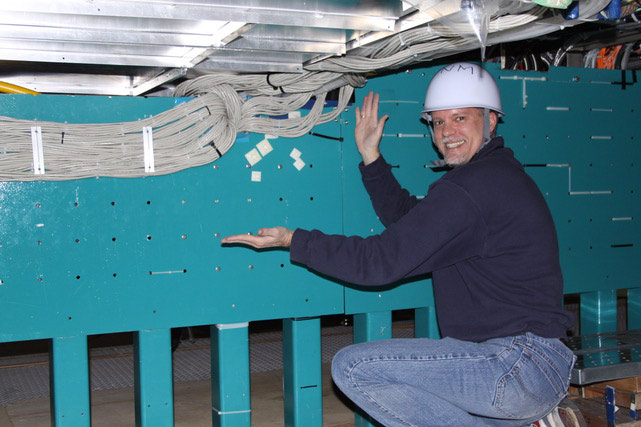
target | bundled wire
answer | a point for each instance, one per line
(202, 130)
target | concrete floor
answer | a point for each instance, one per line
(192, 405)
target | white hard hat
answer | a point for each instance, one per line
(462, 85)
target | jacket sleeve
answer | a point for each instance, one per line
(444, 228)
(389, 200)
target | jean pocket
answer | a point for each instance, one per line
(528, 389)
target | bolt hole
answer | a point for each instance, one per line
(149, 202)
(113, 203)
(311, 198)
(39, 242)
(113, 239)
(69, 318)
(282, 265)
(148, 237)
(280, 199)
(185, 270)
(38, 205)
(115, 274)
(77, 240)
(76, 204)
(77, 277)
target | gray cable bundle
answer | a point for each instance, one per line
(201, 130)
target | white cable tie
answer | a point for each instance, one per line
(148, 147)
(38, 157)
(400, 37)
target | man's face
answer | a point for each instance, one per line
(458, 133)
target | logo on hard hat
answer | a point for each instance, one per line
(458, 67)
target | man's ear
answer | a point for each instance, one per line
(494, 120)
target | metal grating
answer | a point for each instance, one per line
(606, 356)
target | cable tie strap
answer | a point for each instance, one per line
(274, 87)
(36, 144)
(216, 148)
(400, 37)
(148, 147)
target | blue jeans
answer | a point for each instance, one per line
(423, 382)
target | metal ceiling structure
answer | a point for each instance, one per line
(128, 47)
(136, 47)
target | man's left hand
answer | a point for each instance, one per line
(267, 238)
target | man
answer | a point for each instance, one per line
(485, 232)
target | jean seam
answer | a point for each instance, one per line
(552, 365)
(500, 386)
(560, 390)
(402, 358)
(349, 374)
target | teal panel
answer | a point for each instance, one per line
(426, 323)
(107, 255)
(598, 312)
(154, 387)
(76, 256)
(69, 382)
(230, 375)
(302, 381)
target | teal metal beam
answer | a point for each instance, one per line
(425, 323)
(154, 387)
(598, 312)
(371, 327)
(69, 381)
(303, 391)
(231, 406)
(634, 308)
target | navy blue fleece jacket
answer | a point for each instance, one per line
(485, 233)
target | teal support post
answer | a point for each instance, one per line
(634, 308)
(371, 327)
(425, 323)
(69, 381)
(303, 391)
(231, 406)
(598, 312)
(154, 387)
